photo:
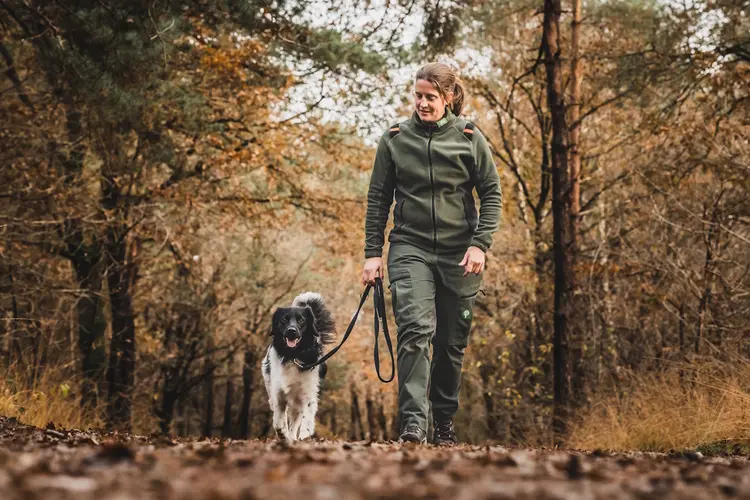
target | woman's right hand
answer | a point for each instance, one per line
(373, 269)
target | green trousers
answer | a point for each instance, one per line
(432, 301)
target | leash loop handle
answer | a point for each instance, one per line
(379, 310)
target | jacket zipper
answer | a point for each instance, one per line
(432, 187)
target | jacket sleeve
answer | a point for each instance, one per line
(489, 191)
(379, 198)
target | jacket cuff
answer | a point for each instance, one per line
(479, 245)
(373, 252)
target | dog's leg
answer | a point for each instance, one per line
(266, 372)
(295, 412)
(310, 405)
(307, 428)
(279, 415)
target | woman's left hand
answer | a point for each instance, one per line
(473, 261)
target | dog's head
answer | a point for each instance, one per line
(293, 330)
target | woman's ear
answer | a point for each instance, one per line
(310, 317)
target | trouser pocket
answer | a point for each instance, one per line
(464, 314)
(455, 314)
(400, 287)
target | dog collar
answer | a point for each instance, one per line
(300, 364)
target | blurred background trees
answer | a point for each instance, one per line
(171, 172)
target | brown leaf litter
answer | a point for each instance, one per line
(57, 463)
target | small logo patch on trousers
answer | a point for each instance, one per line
(465, 314)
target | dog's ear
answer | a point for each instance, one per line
(277, 315)
(310, 318)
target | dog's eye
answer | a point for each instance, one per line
(284, 320)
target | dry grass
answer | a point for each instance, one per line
(49, 397)
(710, 403)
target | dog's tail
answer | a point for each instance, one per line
(324, 324)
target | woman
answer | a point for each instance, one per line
(432, 163)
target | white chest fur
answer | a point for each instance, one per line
(292, 396)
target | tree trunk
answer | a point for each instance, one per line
(14, 343)
(180, 410)
(121, 370)
(576, 314)
(334, 422)
(395, 425)
(382, 421)
(186, 428)
(605, 359)
(357, 431)
(208, 421)
(166, 410)
(372, 424)
(560, 214)
(226, 429)
(248, 372)
(267, 419)
(710, 239)
(575, 126)
(489, 403)
(92, 325)
(85, 255)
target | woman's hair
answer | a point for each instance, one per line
(445, 80)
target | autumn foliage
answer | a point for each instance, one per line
(160, 195)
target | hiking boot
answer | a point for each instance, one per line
(413, 434)
(444, 434)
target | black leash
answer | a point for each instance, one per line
(378, 299)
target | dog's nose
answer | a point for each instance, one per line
(291, 332)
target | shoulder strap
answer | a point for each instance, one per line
(394, 130)
(469, 130)
(469, 133)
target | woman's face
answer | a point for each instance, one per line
(428, 102)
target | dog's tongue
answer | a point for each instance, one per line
(292, 343)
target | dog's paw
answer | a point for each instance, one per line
(305, 433)
(280, 434)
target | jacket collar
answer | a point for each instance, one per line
(437, 127)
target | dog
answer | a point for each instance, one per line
(299, 333)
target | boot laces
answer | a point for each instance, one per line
(444, 430)
(412, 429)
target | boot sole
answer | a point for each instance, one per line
(415, 441)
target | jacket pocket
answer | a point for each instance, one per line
(466, 213)
(401, 213)
(396, 276)
(470, 214)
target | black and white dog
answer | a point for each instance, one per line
(299, 333)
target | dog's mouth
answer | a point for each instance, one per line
(292, 342)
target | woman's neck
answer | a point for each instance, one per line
(435, 123)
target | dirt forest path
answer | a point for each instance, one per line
(56, 463)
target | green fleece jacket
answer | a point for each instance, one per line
(433, 168)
